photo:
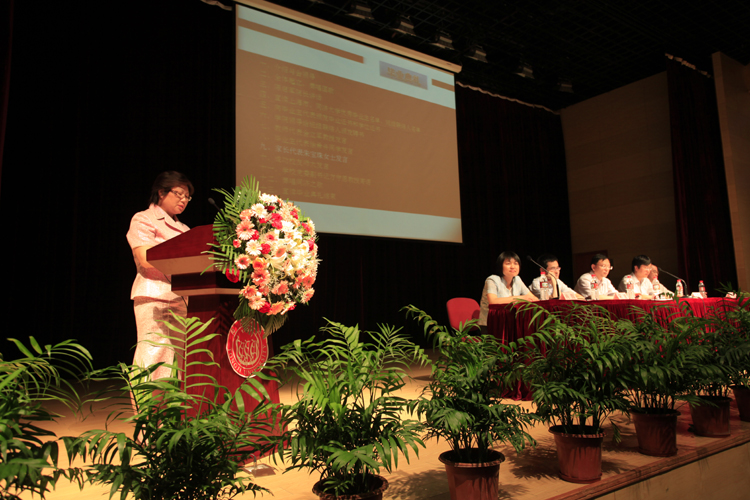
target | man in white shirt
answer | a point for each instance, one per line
(641, 267)
(559, 288)
(600, 268)
(654, 275)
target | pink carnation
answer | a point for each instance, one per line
(281, 288)
(255, 235)
(265, 248)
(232, 275)
(236, 243)
(265, 307)
(260, 264)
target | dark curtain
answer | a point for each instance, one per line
(105, 96)
(6, 44)
(704, 232)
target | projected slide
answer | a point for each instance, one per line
(364, 141)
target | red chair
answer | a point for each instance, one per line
(461, 310)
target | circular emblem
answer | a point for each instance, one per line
(247, 352)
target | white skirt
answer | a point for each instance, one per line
(153, 347)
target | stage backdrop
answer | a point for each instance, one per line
(105, 96)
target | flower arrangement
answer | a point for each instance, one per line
(267, 245)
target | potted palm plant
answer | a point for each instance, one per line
(731, 320)
(347, 423)
(724, 332)
(659, 373)
(462, 405)
(28, 451)
(184, 443)
(575, 361)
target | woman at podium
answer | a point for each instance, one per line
(152, 291)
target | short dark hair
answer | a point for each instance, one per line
(166, 181)
(501, 258)
(640, 260)
(596, 258)
(545, 259)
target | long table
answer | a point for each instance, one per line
(510, 322)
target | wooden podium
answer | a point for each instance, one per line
(211, 295)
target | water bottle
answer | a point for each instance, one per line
(678, 289)
(702, 289)
(629, 287)
(594, 288)
(657, 287)
(543, 286)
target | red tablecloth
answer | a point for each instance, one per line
(506, 322)
(510, 322)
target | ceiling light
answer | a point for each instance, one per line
(403, 25)
(360, 10)
(525, 70)
(477, 53)
(565, 86)
(443, 40)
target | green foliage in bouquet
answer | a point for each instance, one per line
(267, 245)
(188, 439)
(463, 402)
(29, 452)
(347, 423)
(575, 366)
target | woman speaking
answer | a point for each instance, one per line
(152, 290)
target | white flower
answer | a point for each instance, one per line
(268, 198)
(253, 248)
(259, 210)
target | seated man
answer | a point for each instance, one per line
(600, 268)
(654, 275)
(641, 267)
(550, 263)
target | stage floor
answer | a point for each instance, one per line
(531, 475)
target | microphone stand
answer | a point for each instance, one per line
(684, 283)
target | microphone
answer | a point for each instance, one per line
(662, 270)
(213, 204)
(545, 270)
(528, 257)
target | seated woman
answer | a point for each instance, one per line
(503, 290)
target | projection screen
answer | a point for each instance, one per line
(364, 141)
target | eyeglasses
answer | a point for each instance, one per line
(607, 268)
(181, 196)
(556, 268)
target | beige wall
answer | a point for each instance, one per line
(733, 98)
(619, 162)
